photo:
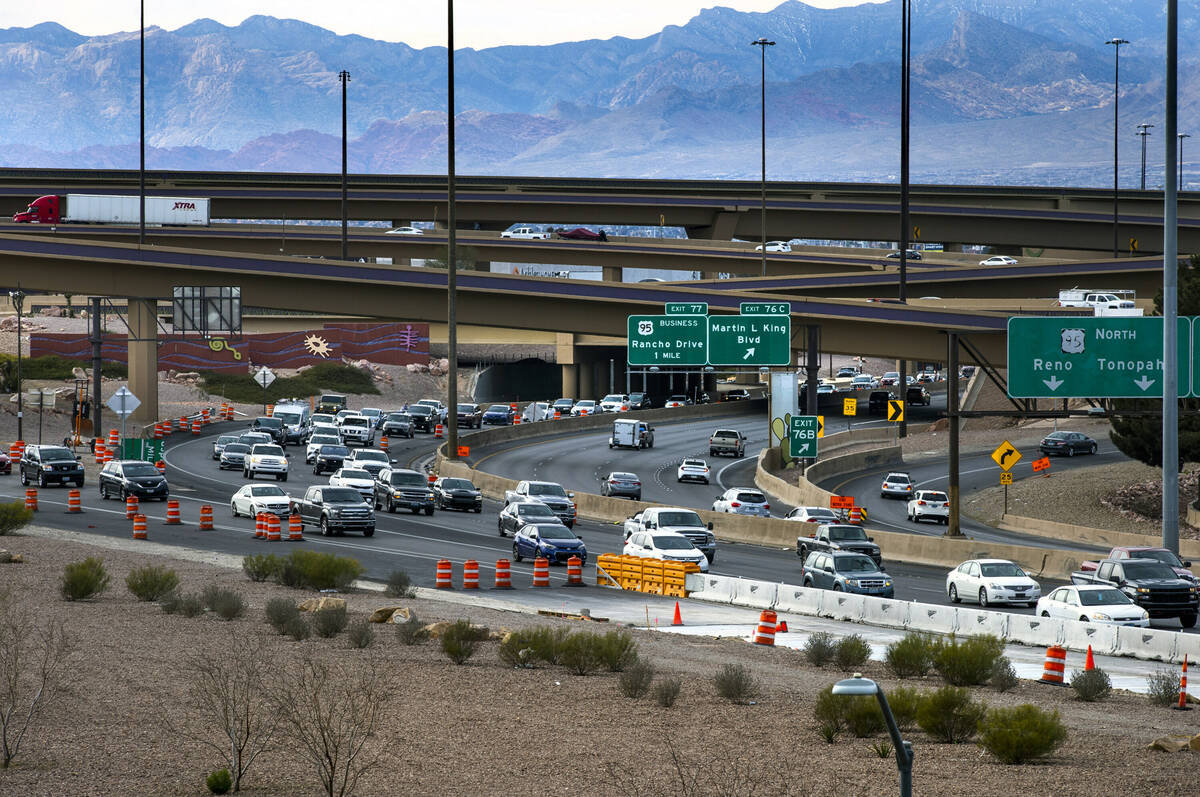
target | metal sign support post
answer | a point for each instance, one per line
(952, 528)
(1170, 405)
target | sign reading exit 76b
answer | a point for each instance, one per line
(1073, 357)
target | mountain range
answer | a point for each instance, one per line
(1003, 91)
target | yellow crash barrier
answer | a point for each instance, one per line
(655, 576)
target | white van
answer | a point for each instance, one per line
(295, 418)
(630, 433)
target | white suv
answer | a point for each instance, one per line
(266, 458)
(357, 429)
(665, 545)
(928, 504)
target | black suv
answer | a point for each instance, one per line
(400, 487)
(918, 395)
(128, 477)
(329, 459)
(271, 426)
(44, 465)
(877, 402)
(423, 418)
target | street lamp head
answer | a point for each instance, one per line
(763, 42)
(856, 686)
(1116, 41)
(1185, 135)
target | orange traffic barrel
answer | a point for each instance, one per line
(295, 528)
(139, 527)
(196, 426)
(173, 516)
(438, 430)
(273, 527)
(444, 575)
(856, 515)
(541, 572)
(1056, 665)
(557, 415)
(114, 438)
(160, 466)
(471, 574)
(270, 410)
(157, 430)
(206, 521)
(131, 507)
(516, 420)
(574, 572)
(432, 478)
(204, 416)
(503, 574)
(765, 633)
(74, 501)
(101, 447)
(260, 526)
(383, 443)
(109, 454)
(19, 448)
(31, 499)
(183, 423)
(14, 452)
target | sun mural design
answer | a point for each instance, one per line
(317, 345)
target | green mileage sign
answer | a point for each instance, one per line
(667, 340)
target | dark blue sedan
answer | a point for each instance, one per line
(552, 541)
(498, 415)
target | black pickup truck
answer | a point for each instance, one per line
(1150, 584)
(335, 510)
(838, 537)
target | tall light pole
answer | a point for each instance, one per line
(18, 301)
(1170, 294)
(344, 77)
(1144, 132)
(763, 44)
(451, 250)
(1181, 137)
(905, 220)
(1116, 43)
(142, 134)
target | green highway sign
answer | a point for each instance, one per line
(149, 450)
(802, 436)
(766, 308)
(749, 340)
(1087, 357)
(687, 308)
(667, 340)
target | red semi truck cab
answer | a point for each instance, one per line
(43, 210)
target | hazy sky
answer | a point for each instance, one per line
(419, 23)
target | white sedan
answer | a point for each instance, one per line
(989, 581)
(585, 407)
(999, 260)
(812, 514)
(928, 504)
(665, 545)
(405, 231)
(692, 470)
(355, 479)
(775, 246)
(1093, 603)
(254, 498)
(316, 441)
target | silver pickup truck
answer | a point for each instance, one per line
(727, 441)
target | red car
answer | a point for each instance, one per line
(5, 464)
(584, 234)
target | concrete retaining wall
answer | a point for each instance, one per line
(829, 464)
(1188, 549)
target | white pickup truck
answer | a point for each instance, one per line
(1105, 303)
(525, 234)
(551, 494)
(678, 520)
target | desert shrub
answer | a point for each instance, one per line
(219, 782)
(83, 580)
(634, 681)
(852, 651)
(904, 702)
(829, 733)
(360, 634)
(580, 652)
(224, 603)
(881, 749)
(1021, 733)
(171, 602)
(260, 566)
(190, 605)
(516, 651)
(1004, 677)
(316, 570)
(329, 622)
(13, 517)
(411, 631)
(666, 691)
(279, 612)
(967, 662)
(546, 642)
(1091, 685)
(819, 648)
(616, 650)
(298, 628)
(151, 582)
(862, 715)
(735, 683)
(459, 641)
(950, 715)
(909, 657)
(829, 709)
(399, 585)
(1163, 687)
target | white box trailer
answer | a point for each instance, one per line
(169, 211)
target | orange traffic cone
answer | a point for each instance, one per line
(782, 627)
(1183, 706)
(678, 618)
(1090, 664)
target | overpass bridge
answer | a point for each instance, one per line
(565, 307)
(1002, 217)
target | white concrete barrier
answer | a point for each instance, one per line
(1040, 632)
(937, 619)
(978, 622)
(1078, 635)
(798, 600)
(842, 606)
(1188, 644)
(756, 594)
(886, 612)
(718, 589)
(1151, 643)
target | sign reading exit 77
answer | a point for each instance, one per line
(1105, 357)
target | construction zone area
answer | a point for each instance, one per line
(548, 690)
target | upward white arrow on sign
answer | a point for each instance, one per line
(1054, 383)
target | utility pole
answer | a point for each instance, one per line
(142, 134)
(1116, 43)
(1144, 133)
(344, 77)
(905, 220)
(18, 301)
(763, 44)
(451, 249)
(1170, 403)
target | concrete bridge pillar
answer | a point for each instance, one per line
(565, 356)
(614, 274)
(723, 227)
(142, 346)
